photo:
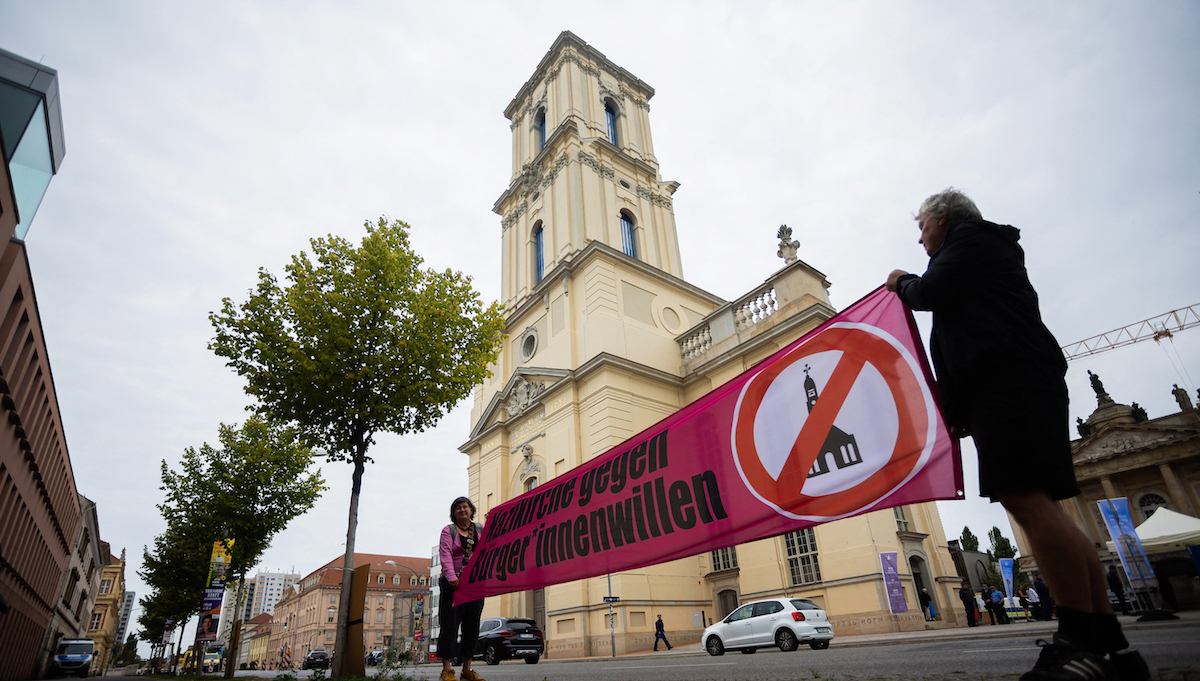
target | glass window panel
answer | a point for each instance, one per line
(31, 171)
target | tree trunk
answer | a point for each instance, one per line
(179, 649)
(340, 638)
(235, 634)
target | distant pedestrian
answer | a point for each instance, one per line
(998, 604)
(926, 603)
(660, 633)
(985, 594)
(1035, 602)
(1043, 591)
(968, 601)
(1118, 589)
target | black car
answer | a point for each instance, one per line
(502, 638)
(317, 659)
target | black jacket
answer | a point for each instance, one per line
(987, 330)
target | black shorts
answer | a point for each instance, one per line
(1023, 438)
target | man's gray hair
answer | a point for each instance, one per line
(953, 204)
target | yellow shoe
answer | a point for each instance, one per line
(447, 675)
(470, 675)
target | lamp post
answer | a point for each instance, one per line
(420, 649)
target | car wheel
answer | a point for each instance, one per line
(491, 655)
(749, 651)
(819, 645)
(532, 659)
(786, 640)
(714, 646)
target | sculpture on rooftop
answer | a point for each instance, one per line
(787, 245)
(1182, 397)
(1096, 384)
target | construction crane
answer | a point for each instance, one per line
(1154, 328)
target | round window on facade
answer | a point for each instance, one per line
(529, 344)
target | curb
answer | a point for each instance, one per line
(899, 638)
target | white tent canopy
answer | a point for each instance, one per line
(1167, 529)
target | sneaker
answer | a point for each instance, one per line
(447, 675)
(470, 675)
(1060, 661)
(1130, 666)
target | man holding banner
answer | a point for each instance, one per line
(1000, 372)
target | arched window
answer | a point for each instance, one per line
(530, 483)
(628, 244)
(610, 117)
(538, 261)
(1151, 502)
(539, 123)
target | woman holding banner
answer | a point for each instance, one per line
(457, 543)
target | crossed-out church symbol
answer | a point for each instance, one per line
(839, 446)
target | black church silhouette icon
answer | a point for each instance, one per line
(839, 446)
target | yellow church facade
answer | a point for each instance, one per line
(606, 338)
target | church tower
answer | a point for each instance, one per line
(605, 338)
(583, 170)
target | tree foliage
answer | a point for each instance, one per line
(360, 341)
(1001, 546)
(246, 490)
(969, 541)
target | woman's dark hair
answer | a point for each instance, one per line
(458, 501)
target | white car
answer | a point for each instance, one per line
(782, 622)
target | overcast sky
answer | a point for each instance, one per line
(205, 140)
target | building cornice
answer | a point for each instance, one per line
(604, 360)
(569, 41)
(565, 270)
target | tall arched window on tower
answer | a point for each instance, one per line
(538, 261)
(628, 244)
(540, 124)
(610, 117)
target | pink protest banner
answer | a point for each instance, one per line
(840, 422)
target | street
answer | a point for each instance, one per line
(1167, 648)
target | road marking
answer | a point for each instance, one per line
(673, 666)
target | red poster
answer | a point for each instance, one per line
(841, 422)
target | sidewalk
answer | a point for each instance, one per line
(1015, 630)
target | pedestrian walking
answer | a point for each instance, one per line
(1000, 373)
(968, 601)
(1117, 587)
(660, 634)
(926, 604)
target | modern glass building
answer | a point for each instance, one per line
(31, 132)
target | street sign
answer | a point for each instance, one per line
(612, 599)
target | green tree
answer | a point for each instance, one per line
(969, 541)
(359, 342)
(176, 573)
(1001, 546)
(245, 491)
(129, 653)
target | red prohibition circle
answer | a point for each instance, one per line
(859, 347)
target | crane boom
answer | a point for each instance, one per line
(1155, 328)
